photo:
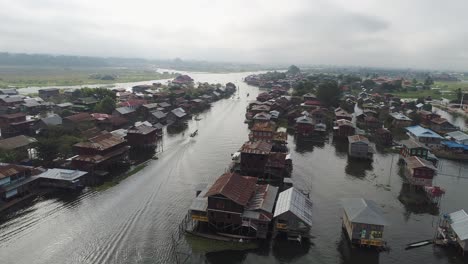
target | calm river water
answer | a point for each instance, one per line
(133, 221)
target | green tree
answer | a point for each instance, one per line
(12, 156)
(427, 107)
(106, 105)
(329, 93)
(398, 84)
(304, 87)
(99, 93)
(293, 70)
(429, 81)
(368, 84)
(47, 150)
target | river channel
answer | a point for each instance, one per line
(133, 221)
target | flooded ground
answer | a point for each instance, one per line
(133, 221)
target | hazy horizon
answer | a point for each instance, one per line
(369, 33)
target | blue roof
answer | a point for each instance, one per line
(420, 131)
(452, 144)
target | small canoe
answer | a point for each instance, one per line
(418, 244)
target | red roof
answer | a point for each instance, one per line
(80, 117)
(312, 102)
(235, 187)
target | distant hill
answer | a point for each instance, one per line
(46, 60)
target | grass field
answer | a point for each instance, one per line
(445, 89)
(21, 77)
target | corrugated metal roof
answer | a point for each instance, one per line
(413, 162)
(292, 200)
(344, 122)
(400, 116)
(262, 116)
(62, 174)
(142, 129)
(235, 187)
(305, 120)
(358, 138)
(264, 198)
(459, 223)
(159, 114)
(257, 147)
(200, 203)
(420, 131)
(409, 143)
(16, 142)
(101, 142)
(458, 135)
(125, 110)
(179, 112)
(52, 120)
(360, 210)
(263, 126)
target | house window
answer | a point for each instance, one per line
(220, 204)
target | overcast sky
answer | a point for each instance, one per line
(401, 33)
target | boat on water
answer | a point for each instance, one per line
(194, 133)
(418, 244)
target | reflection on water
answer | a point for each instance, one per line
(133, 221)
(358, 167)
(350, 254)
(308, 144)
(415, 201)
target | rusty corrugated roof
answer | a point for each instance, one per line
(102, 141)
(235, 187)
(264, 126)
(257, 147)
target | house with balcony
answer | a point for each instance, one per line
(424, 135)
(360, 147)
(262, 131)
(142, 136)
(400, 120)
(49, 93)
(238, 206)
(363, 222)
(442, 126)
(100, 153)
(418, 171)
